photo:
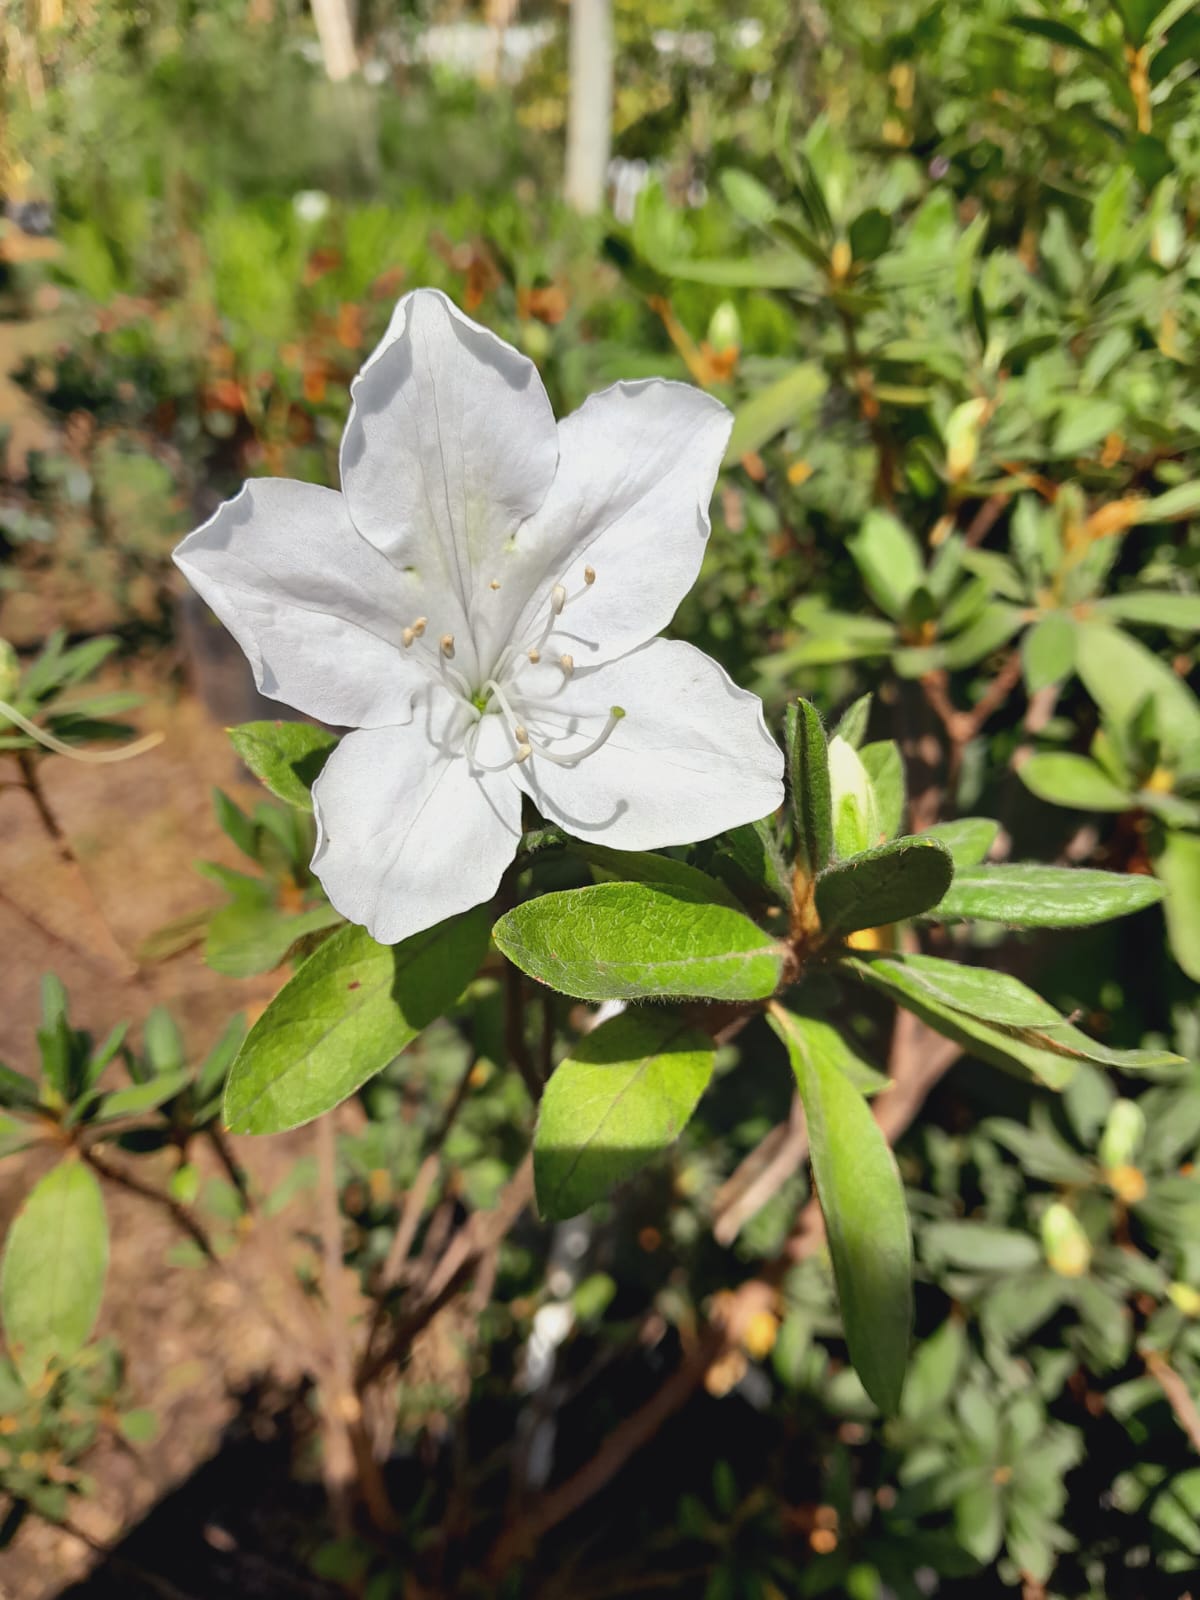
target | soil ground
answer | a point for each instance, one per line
(200, 1353)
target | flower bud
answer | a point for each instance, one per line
(1184, 1298)
(1123, 1134)
(1067, 1247)
(725, 327)
(855, 814)
(10, 670)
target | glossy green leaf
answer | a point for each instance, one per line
(823, 1040)
(625, 1093)
(55, 1261)
(1026, 895)
(618, 941)
(968, 839)
(898, 880)
(1071, 780)
(348, 1011)
(1049, 1051)
(1178, 866)
(1084, 423)
(865, 1214)
(808, 787)
(286, 757)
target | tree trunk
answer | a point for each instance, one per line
(589, 106)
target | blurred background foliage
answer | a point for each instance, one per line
(940, 260)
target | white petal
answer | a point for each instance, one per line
(450, 445)
(318, 611)
(409, 832)
(636, 470)
(690, 758)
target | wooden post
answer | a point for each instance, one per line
(335, 30)
(589, 105)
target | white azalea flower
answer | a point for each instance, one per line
(480, 604)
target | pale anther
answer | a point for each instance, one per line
(495, 583)
(535, 655)
(567, 663)
(419, 626)
(408, 636)
(520, 733)
(447, 644)
(524, 751)
(558, 598)
(589, 576)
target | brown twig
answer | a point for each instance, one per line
(1179, 1396)
(985, 519)
(479, 1235)
(348, 1456)
(183, 1219)
(760, 1175)
(54, 831)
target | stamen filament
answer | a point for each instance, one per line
(615, 716)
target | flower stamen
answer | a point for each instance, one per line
(567, 663)
(446, 645)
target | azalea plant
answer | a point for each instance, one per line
(480, 605)
(618, 932)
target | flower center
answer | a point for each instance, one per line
(500, 694)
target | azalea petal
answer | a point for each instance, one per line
(690, 758)
(318, 611)
(409, 831)
(450, 446)
(636, 470)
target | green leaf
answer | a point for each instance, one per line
(235, 824)
(790, 399)
(1060, 34)
(968, 839)
(979, 1247)
(852, 727)
(1026, 895)
(754, 854)
(978, 991)
(1048, 652)
(882, 886)
(822, 1039)
(865, 1214)
(885, 768)
(162, 1042)
(808, 787)
(643, 866)
(625, 1093)
(774, 269)
(620, 941)
(1120, 674)
(1180, 502)
(1071, 780)
(889, 559)
(142, 1097)
(747, 196)
(55, 1261)
(1159, 608)
(285, 756)
(348, 1011)
(1178, 865)
(16, 1089)
(1049, 1051)
(253, 935)
(1084, 423)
